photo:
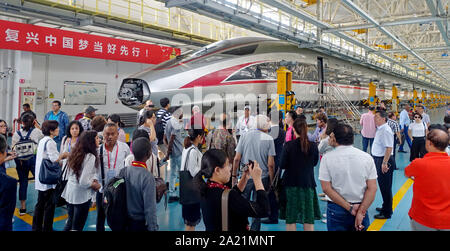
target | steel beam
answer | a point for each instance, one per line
(440, 24)
(366, 16)
(385, 24)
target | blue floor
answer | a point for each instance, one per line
(171, 220)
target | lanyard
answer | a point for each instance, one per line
(246, 122)
(139, 164)
(70, 143)
(115, 161)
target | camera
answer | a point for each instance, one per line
(245, 167)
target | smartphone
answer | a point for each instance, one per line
(245, 167)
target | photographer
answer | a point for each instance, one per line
(216, 168)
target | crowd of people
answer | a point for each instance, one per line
(263, 168)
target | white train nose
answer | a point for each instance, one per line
(134, 92)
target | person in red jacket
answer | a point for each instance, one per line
(430, 208)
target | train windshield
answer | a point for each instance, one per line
(210, 48)
(191, 55)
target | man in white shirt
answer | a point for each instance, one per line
(425, 117)
(404, 123)
(244, 123)
(382, 153)
(113, 154)
(348, 177)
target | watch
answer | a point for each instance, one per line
(351, 208)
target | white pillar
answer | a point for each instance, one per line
(21, 63)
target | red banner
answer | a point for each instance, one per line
(27, 37)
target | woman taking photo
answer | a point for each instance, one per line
(298, 159)
(45, 206)
(190, 165)
(417, 131)
(216, 168)
(114, 118)
(82, 184)
(24, 166)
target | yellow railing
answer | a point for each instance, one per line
(152, 14)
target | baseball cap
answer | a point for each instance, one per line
(247, 107)
(90, 109)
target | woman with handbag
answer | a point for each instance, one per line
(190, 165)
(83, 163)
(216, 167)
(47, 149)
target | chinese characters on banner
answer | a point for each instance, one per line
(27, 37)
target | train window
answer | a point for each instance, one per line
(268, 70)
(241, 51)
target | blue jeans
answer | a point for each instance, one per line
(407, 139)
(366, 142)
(250, 194)
(175, 165)
(339, 219)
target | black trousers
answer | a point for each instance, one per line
(136, 226)
(78, 214)
(23, 167)
(418, 149)
(44, 211)
(101, 216)
(385, 184)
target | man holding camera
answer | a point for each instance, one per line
(256, 145)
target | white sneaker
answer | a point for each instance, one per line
(324, 221)
(324, 215)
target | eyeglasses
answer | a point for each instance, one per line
(417, 117)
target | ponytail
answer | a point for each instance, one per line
(211, 159)
(301, 128)
(193, 134)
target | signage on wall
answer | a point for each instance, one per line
(28, 96)
(27, 37)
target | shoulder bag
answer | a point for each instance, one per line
(161, 186)
(188, 193)
(225, 196)
(50, 172)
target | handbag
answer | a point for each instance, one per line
(189, 194)
(59, 189)
(50, 171)
(161, 186)
(225, 196)
(277, 186)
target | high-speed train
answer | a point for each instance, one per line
(248, 65)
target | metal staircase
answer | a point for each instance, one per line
(338, 105)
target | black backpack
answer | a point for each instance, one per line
(115, 202)
(159, 128)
